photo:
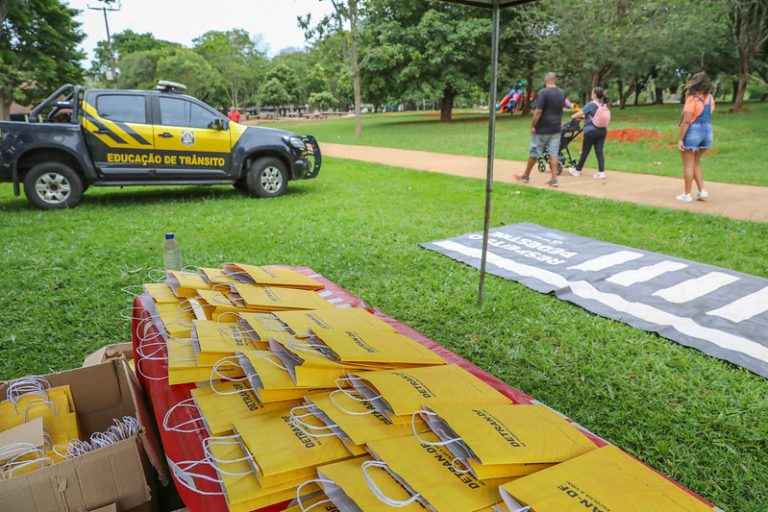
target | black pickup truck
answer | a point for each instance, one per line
(112, 137)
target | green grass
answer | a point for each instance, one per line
(695, 418)
(738, 156)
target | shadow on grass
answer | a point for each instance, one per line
(430, 119)
(116, 198)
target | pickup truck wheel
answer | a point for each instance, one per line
(52, 185)
(267, 177)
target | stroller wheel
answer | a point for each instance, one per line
(559, 168)
(542, 166)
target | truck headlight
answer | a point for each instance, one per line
(297, 142)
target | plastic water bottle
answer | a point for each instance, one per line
(171, 253)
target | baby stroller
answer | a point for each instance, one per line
(568, 133)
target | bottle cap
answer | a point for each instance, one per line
(169, 236)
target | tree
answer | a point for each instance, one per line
(288, 80)
(344, 12)
(235, 55)
(273, 94)
(186, 66)
(429, 49)
(124, 43)
(38, 50)
(321, 100)
(749, 30)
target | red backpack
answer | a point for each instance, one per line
(602, 117)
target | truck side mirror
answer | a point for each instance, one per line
(219, 124)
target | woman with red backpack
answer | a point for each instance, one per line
(597, 116)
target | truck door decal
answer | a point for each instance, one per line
(130, 131)
(101, 129)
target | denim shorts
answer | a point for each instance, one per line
(539, 142)
(698, 136)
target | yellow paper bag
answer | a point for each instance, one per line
(161, 293)
(304, 323)
(40, 403)
(227, 402)
(266, 298)
(214, 340)
(214, 276)
(603, 479)
(281, 450)
(307, 367)
(428, 473)
(186, 284)
(184, 369)
(345, 485)
(269, 379)
(360, 424)
(375, 347)
(496, 441)
(271, 276)
(402, 392)
(237, 475)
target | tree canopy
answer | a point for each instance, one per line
(38, 50)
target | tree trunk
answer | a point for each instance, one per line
(735, 91)
(5, 108)
(626, 95)
(659, 95)
(741, 89)
(355, 68)
(446, 106)
(637, 95)
(528, 91)
(620, 84)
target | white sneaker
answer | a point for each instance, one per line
(685, 198)
(599, 176)
(574, 172)
(702, 195)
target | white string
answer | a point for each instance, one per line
(40, 401)
(25, 386)
(378, 492)
(300, 424)
(226, 440)
(421, 413)
(215, 371)
(152, 275)
(351, 379)
(121, 429)
(269, 360)
(299, 496)
(181, 470)
(345, 410)
(13, 465)
(189, 403)
(127, 289)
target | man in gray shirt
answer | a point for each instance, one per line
(545, 128)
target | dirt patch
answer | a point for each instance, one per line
(633, 135)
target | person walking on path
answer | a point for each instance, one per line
(695, 134)
(545, 128)
(596, 116)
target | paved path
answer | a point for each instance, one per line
(737, 201)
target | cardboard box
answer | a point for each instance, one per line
(109, 352)
(122, 475)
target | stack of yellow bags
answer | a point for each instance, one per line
(335, 408)
(44, 417)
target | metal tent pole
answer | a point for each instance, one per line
(491, 144)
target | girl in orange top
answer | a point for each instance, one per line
(695, 133)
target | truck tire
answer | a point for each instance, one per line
(52, 185)
(267, 177)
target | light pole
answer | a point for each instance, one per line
(113, 68)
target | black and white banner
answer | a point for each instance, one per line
(718, 311)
